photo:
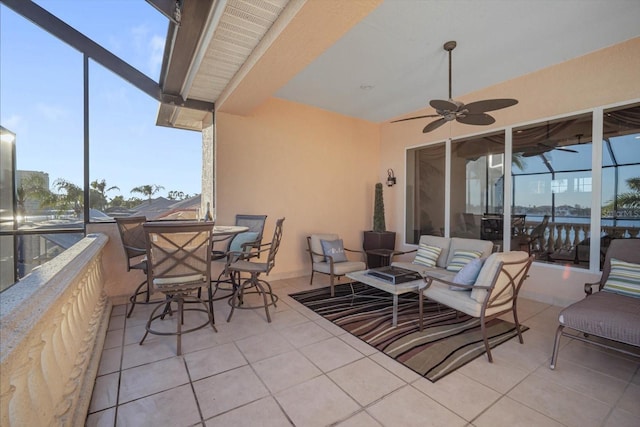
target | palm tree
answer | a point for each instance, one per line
(629, 199)
(101, 188)
(72, 197)
(147, 190)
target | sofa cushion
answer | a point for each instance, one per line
(333, 249)
(624, 278)
(441, 242)
(460, 301)
(468, 274)
(427, 255)
(490, 270)
(484, 246)
(462, 257)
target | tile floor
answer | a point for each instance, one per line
(301, 370)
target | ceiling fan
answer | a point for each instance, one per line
(473, 113)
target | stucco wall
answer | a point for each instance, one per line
(318, 169)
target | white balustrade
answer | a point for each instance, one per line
(53, 324)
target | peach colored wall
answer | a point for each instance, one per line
(605, 77)
(316, 168)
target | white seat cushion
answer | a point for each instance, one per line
(460, 301)
(340, 268)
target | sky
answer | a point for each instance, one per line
(41, 100)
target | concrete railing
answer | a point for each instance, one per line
(52, 327)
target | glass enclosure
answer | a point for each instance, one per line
(553, 178)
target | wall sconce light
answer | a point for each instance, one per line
(391, 178)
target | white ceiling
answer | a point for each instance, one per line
(396, 52)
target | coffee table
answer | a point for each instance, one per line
(394, 290)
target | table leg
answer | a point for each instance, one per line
(395, 310)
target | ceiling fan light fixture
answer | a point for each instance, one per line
(474, 113)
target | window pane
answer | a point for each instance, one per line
(158, 161)
(425, 192)
(41, 102)
(621, 175)
(477, 184)
(552, 189)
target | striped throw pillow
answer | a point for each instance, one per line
(427, 255)
(461, 258)
(624, 278)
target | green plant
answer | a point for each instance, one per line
(378, 210)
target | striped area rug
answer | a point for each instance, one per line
(446, 343)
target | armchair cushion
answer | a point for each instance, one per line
(468, 274)
(427, 255)
(462, 257)
(624, 278)
(440, 242)
(490, 271)
(339, 269)
(242, 238)
(334, 249)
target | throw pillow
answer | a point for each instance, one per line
(468, 274)
(241, 239)
(335, 249)
(461, 258)
(427, 255)
(624, 278)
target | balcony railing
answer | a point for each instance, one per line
(53, 324)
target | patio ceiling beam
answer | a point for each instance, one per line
(93, 50)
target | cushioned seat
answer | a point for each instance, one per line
(335, 265)
(605, 314)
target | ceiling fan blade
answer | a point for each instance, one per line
(476, 119)
(416, 117)
(441, 104)
(489, 105)
(434, 125)
(568, 150)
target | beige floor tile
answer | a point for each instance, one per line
(331, 354)
(622, 418)
(358, 344)
(396, 368)
(330, 327)
(106, 418)
(594, 358)
(119, 310)
(366, 381)
(285, 370)
(263, 346)
(560, 403)
(228, 390)
(630, 400)
(199, 340)
(286, 318)
(500, 375)
(152, 378)
(509, 413)
(584, 380)
(528, 308)
(175, 407)
(460, 394)
(317, 402)
(409, 407)
(304, 334)
(105, 392)
(244, 323)
(116, 322)
(151, 351)
(110, 361)
(113, 338)
(205, 363)
(361, 419)
(264, 413)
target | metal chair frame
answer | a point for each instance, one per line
(179, 263)
(134, 245)
(239, 262)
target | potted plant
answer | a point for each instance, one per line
(379, 237)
